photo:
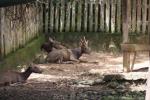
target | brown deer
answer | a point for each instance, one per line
(10, 77)
(62, 55)
(51, 44)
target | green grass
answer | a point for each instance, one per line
(23, 55)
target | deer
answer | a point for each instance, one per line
(67, 55)
(10, 77)
(51, 44)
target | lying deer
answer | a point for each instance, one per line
(10, 77)
(61, 55)
(51, 44)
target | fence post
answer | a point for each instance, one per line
(44, 17)
(126, 55)
(0, 37)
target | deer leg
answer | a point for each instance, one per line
(68, 62)
(60, 60)
(134, 57)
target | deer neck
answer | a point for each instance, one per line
(77, 52)
(26, 74)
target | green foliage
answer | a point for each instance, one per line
(23, 55)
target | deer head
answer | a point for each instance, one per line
(84, 46)
(34, 68)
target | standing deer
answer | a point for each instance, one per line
(10, 77)
(61, 55)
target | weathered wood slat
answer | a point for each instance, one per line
(133, 21)
(138, 15)
(102, 15)
(57, 17)
(113, 15)
(91, 16)
(51, 16)
(96, 16)
(62, 15)
(79, 15)
(107, 16)
(149, 21)
(18, 26)
(68, 17)
(73, 16)
(135, 47)
(144, 15)
(118, 19)
(85, 15)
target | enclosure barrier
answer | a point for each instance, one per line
(18, 25)
(95, 16)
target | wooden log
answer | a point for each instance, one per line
(135, 47)
(126, 76)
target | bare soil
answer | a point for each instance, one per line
(80, 81)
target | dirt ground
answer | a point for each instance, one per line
(80, 81)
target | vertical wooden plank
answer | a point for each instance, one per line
(126, 55)
(62, 16)
(147, 96)
(113, 15)
(51, 16)
(68, 17)
(91, 16)
(85, 14)
(56, 17)
(73, 16)
(96, 16)
(107, 16)
(129, 19)
(102, 3)
(2, 33)
(133, 16)
(1, 55)
(79, 15)
(149, 22)
(118, 19)
(144, 14)
(138, 16)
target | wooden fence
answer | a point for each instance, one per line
(96, 16)
(18, 25)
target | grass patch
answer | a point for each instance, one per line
(23, 55)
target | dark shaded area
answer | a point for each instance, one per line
(5, 3)
(64, 91)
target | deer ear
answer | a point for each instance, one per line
(50, 39)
